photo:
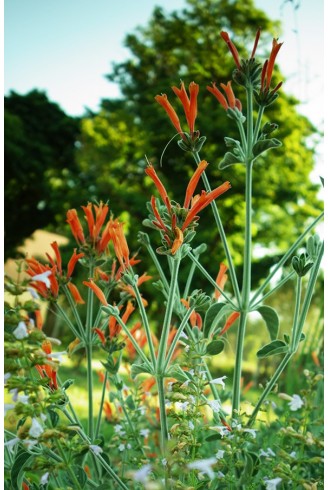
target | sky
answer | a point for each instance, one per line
(66, 47)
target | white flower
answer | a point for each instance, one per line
(118, 428)
(186, 383)
(220, 454)
(251, 431)
(33, 293)
(169, 386)
(223, 431)
(204, 466)
(191, 425)
(220, 474)
(144, 432)
(21, 331)
(267, 453)
(44, 277)
(219, 381)
(95, 449)
(215, 405)
(272, 484)
(29, 443)
(192, 372)
(128, 446)
(23, 398)
(183, 336)
(10, 444)
(121, 447)
(187, 348)
(8, 406)
(164, 461)
(296, 403)
(44, 478)
(293, 454)
(57, 355)
(142, 474)
(43, 417)
(36, 429)
(182, 405)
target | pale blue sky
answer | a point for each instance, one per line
(66, 47)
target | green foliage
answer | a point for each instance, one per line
(39, 164)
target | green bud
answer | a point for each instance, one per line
(143, 238)
(300, 265)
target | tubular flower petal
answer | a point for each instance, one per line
(221, 280)
(55, 247)
(220, 97)
(193, 183)
(178, 240)
(115, 229)
(275, 50)
(101, 335)
(72, 263)
(76, 227)
(151, 172)
(257, 37)
(189, 105)
(230, 321)
(164, 102)
(229, 93)
(98, 292)
(75, 293)
(232, 47)
(95, 223)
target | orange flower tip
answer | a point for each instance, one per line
(225, 36)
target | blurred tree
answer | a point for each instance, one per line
(39, 162)
(186, 45)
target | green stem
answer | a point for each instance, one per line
(88, 349)
(145, 324)
(68, 321)
(177, 337)
(293, 343)
(157, 265)
(101, 405)
(242, 135)
(162, 351)
(269, 386)
(219, 225)
(286, 256)
(210, 279)
(258, 123)
(277, 286)
(168, 316)
(162, 412)
(74, 310)
(189, 279)
(245, 292)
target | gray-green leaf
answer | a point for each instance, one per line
(263, 145)
(272, 349)
(229, 159)
(271, 319)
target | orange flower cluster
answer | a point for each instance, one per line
(46, 279)
(193, 204)
(47, 370)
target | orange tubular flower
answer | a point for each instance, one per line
(195, 318)
(221, 279)
(193, 183)
(46, 369)
(189, 105)
(268, 67)
(151, 172)
(95, 223)
(72, 263)
(164, 102)
(230, 321)
(98, 292)
(116, 233)
(203, 201)
(232, 47)
(231, 100)
(75, 293)
(76, 227)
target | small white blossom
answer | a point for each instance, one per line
(220, 474)
(192, 372)
(191, 425)
(219, 381)
(192, 399)
(296, 403)
(33, 293)
(118, 428)
(12, 443)
(215, 405)
(169, 385)
(8, 406)
(251, 431)
(186, 383)
(144, 433)
(44, 277)
(21, 331)
(223, 431)
(43, 417)
(142, 409)
(14, 393)
(29, 443)
(6, 376)
(204, 466)
(272, 484)
(164, 461)
(95, 449)
(267, 453)
(187, 348)
(293, 454)
(44, 478)
(121, 447)
(142, 474)
(183, 336)
(128, 446)
(23, 398)
(220, 454)
(36, 429)
(168, 404)
(182, 405)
